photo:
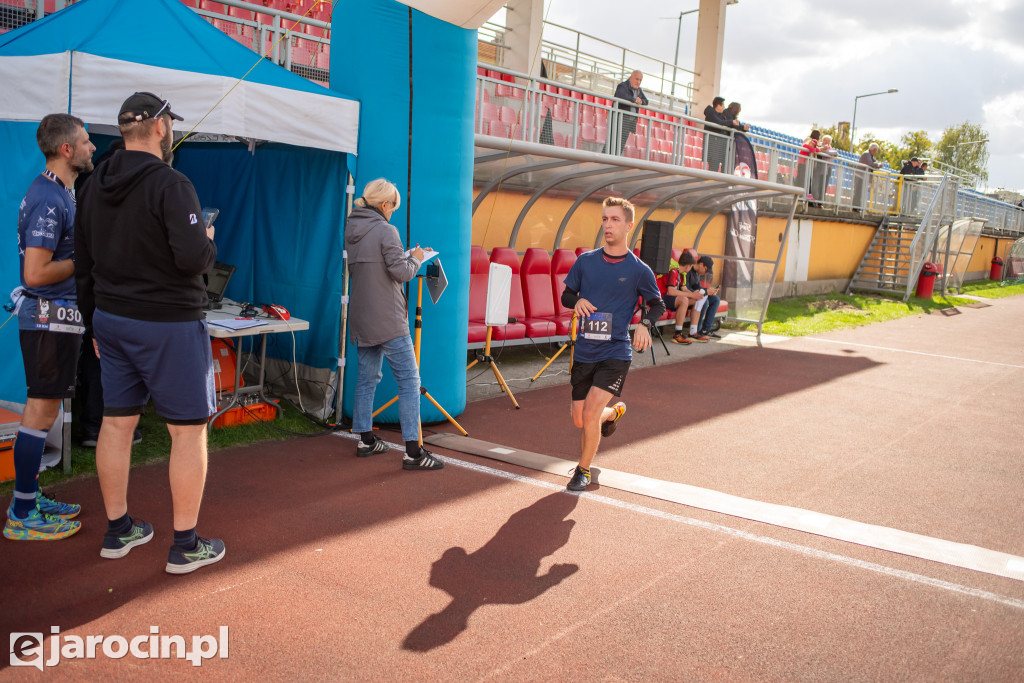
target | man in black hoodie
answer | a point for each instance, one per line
(714, 141)
(141, 251)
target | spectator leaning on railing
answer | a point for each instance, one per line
(867, 161)
(732, 114)
(822, 167)
(715, 114)
(630, 91)
(808, 153)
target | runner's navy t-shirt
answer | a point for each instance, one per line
(46, 219)
(613, 287)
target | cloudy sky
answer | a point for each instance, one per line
(796, 62)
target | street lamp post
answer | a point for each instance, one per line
(679, 36)
(853, 123)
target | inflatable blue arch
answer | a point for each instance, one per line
(414, 77)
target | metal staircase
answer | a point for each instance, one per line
(893, 260)
(886, 263)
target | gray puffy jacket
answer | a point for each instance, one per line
(378, 311)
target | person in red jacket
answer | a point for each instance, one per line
(808, 153)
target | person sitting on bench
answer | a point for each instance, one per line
(706, 316)
(682, 291)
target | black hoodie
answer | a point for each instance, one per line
(140, 242)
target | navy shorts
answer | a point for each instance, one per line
(51, 362)
(609, 375)
(170, 362)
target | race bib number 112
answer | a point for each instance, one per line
(598, 327)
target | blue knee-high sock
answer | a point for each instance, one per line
(28, 454)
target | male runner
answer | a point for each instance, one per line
(603, 288)
(48, 321)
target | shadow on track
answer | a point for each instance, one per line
(503, 572)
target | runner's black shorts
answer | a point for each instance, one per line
(609, 375)
(51, 362)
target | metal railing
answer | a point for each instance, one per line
(306, 51)
(544, 111)
(16, 13)
(516, 106)
(577, 59)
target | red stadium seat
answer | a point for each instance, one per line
(516, 308)
(499, 129)
(540, 307)
(478, 265)
(561, 263)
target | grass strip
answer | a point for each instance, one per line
(816, 314)
(156, 443)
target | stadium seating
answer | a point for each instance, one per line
(538, 279)
(516, 308)
(478, 265)
(535, 276)
(561, 263)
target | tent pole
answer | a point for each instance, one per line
(350, 192)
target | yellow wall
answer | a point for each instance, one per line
(836, 247)
(496, 216)
(983, 253)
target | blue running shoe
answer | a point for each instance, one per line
(207, 551)
(49, 506)
(38, 526)
(118, 545)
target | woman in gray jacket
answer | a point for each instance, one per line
(378, 320)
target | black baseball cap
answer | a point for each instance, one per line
(144, 105)
(708, 262)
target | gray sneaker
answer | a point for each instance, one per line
(207, 551)
(118, 545)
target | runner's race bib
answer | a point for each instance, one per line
(58, 315)
(597, 327)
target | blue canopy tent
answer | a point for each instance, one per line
(281, 191)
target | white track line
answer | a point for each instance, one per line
(736, 533)
(952, 553)
(916, 353)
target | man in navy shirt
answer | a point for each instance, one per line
(603, 288)
(48, 321)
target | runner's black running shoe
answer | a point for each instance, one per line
(580, 479)
(608, 426)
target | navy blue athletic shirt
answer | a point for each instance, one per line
(613, 287)
(46, 219)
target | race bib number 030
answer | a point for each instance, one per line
(58, 315)
(598, 327)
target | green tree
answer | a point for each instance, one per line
(887, 152)
(964, 148)
(916, 143)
